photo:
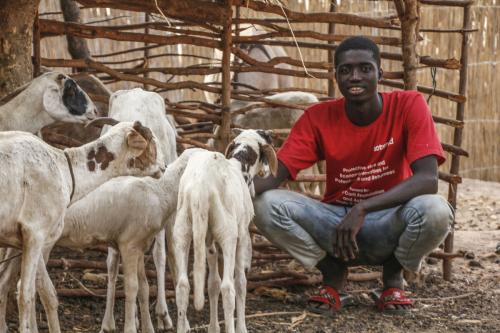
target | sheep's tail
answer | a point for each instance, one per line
(199, 218)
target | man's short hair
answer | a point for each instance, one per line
(357, 43)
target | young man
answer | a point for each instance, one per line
(380, 208)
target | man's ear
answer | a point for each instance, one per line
(380, 74)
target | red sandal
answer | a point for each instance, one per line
(328, 302)
(392, 296)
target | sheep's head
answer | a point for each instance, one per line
(64, 99)
(254, 150)
(131, 144)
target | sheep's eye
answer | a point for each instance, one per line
(60, 77)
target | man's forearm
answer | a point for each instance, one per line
(269, 183)
(410, 188)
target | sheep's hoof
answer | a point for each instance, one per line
(214, 329)
(108, 330)
(164, 322)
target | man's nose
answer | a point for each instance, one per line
(356, 74)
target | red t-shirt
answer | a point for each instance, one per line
(362, 161)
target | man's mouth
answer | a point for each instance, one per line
(356, 90)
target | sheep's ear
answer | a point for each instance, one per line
(229, 149)
(266, 135)
(270, 155)
(136, 140)
(236, 131)
(52, 101)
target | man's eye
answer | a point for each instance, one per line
(344, 70)
(366, 68)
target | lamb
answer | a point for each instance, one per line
(279, 118)
(39, 182)
(219, 214)
(50, 97)
(149, 108)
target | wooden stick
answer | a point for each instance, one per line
(459, 98)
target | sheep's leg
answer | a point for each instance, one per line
(112, 262)
(228, 246)
(48, 297)
(214, 283)
(130, 256)
(146, 323)
(243, 261)
(159, 255)
(32, 250)
(9, 273)
(183, 236)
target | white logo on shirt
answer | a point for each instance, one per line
(384, 145)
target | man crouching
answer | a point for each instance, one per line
(380, 208)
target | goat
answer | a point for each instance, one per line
(51, 97)
(39, 182)
(219, 215)
(149, 108)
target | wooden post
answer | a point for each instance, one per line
(457, 135)
(36, 47)
(146, 51)
(224, 135)
(409, 16)
(331, 30)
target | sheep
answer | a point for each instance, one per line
(39, 182)
(274, 117)
(219, 214)
(100, 94)
(263, 53)
(279, 118)
(141, 208)
(48, 98)
(149, 108)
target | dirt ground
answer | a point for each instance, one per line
(470, 303)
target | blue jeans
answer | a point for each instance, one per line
(305, 227)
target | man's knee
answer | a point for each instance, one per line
(431, 212)
(267, 209)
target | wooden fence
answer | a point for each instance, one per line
(172, 55)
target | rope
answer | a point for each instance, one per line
(72, 175)
(434, 83)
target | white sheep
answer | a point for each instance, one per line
(262, 53)
(50, 97)
(38, 183)
(215, 207)
(149, 108)
(140, 208)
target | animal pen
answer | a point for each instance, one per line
(158, 28)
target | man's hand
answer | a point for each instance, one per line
(344, 243)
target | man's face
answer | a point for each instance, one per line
(357, 75)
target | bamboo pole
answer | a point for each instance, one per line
(457, 136)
